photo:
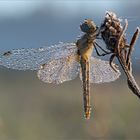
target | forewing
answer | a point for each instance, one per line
(59, 70)
(101, 72)
(31, 59)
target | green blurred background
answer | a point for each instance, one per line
(33, 110)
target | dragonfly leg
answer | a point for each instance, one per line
(106, 52)
(112, 65)
(97, 52)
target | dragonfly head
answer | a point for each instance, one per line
(88, 26)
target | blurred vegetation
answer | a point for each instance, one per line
(33, 110)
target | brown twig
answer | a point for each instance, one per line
(130, 79)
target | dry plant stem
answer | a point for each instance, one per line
(130, 79)
(133, 41)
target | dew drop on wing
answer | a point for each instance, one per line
(59, 70)
(32, 58)
(101, 72)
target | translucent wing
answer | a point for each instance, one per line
(101, 72)
(31, 59)
(59, 70)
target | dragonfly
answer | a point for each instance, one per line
(113, 34)
(65, 61)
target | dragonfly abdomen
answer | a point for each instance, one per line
(85, 67)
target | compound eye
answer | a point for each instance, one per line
(84, 27)
(88, 26)
(86, 21)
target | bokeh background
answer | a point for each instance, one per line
(33, 110)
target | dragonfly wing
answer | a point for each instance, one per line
(59, 70)
(31, 59)
(101, 72)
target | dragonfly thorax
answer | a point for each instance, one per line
(85, 47)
